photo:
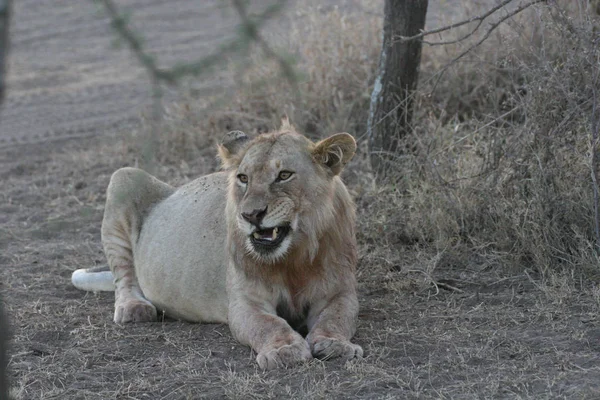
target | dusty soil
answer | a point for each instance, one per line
(497, 334)
(68, 77)
(501, 335)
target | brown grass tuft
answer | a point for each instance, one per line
(501, 165)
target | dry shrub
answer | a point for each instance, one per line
(502, 146)
(336, 55)
(499, 172)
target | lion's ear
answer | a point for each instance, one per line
(229, 147)
(285, 123)
(335, 151)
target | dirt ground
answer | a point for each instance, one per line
(482, 332)
(497, 336)
(67, 73)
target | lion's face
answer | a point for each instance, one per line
(278, 180)
(272, 185)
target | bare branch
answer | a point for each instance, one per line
(465, 37)
(479, 18)
(438, 75)
(493, 28)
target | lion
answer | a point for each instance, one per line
(267, 246)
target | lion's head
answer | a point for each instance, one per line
(283, 190)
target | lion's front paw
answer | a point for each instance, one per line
(284, 356)
(135, 311)
(324, 348)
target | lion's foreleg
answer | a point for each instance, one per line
(274, 341)
(332, 328)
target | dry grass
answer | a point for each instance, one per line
(501, 161)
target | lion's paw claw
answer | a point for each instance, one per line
(326, 348)
(284, 356)
(135, 311)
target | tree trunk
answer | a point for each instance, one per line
(391, 101)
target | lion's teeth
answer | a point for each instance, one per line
(274, 234)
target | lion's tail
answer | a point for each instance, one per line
(94, 279)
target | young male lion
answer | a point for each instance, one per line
(267, 246)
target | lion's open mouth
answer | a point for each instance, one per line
(269, 238)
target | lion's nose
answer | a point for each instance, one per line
(255, 216)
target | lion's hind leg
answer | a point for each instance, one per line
(130, 303)
(130, 195)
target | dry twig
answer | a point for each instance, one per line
(479, 18)
(487, 34)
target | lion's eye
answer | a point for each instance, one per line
(243, 178)
(284, 175)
